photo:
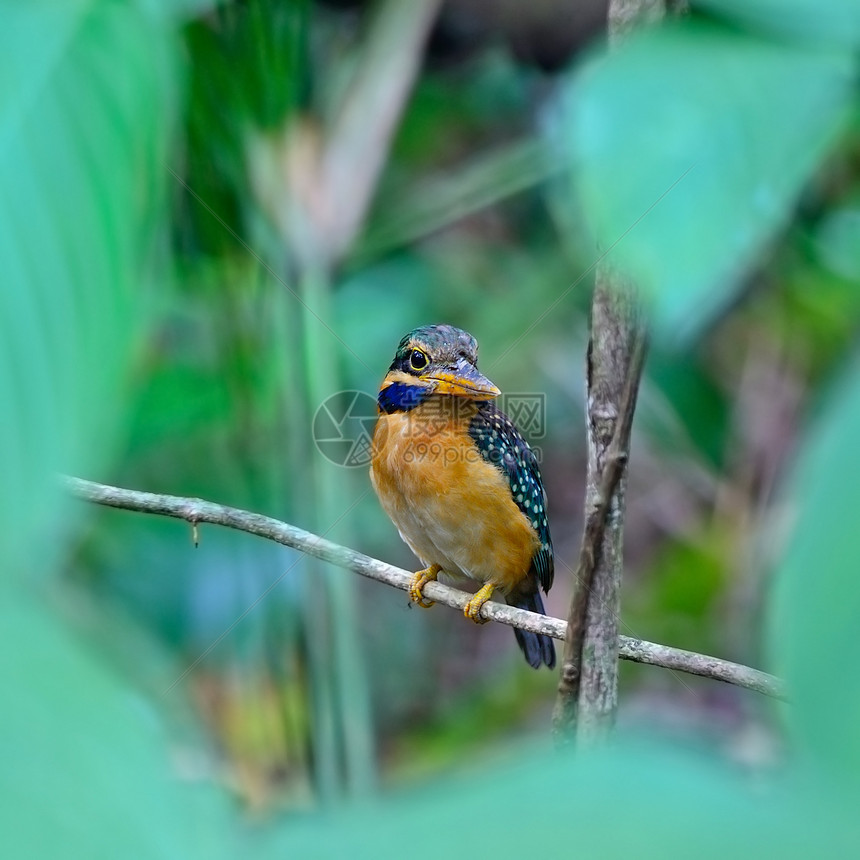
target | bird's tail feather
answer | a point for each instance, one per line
(537, 647)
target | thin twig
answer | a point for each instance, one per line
(196, 511)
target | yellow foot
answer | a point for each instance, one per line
(473, 608)
(419, 580)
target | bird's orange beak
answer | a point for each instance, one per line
(464, 381)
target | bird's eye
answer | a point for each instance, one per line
(417, 360)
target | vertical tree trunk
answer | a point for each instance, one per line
(588, 687)
(611, 369)
(587, 691)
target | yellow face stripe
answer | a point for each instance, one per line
(402, 377)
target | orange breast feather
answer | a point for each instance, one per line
(451, 506)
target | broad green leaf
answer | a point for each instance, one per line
(86, 764)
(813, 630)
(690, 146)
(630, 801)
(837, 241)
(179, 9)
(84, 111)
(835, 23)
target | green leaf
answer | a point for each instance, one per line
(836, 23)
(690, 146)
(82, 134)
(631, 801)
(813, 631)
(85, 759)
(85, 110)
(179, 10)
(837, 242)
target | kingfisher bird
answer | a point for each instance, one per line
(459, 481)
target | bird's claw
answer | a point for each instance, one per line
(419, 580)
(472, 609)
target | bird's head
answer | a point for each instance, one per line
(434, 359)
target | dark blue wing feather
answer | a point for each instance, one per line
(501, 444)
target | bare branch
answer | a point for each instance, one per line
(197, 511)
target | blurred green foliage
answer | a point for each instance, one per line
(727, 157)
(159, 331)
(816, 598)
(68, 302)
